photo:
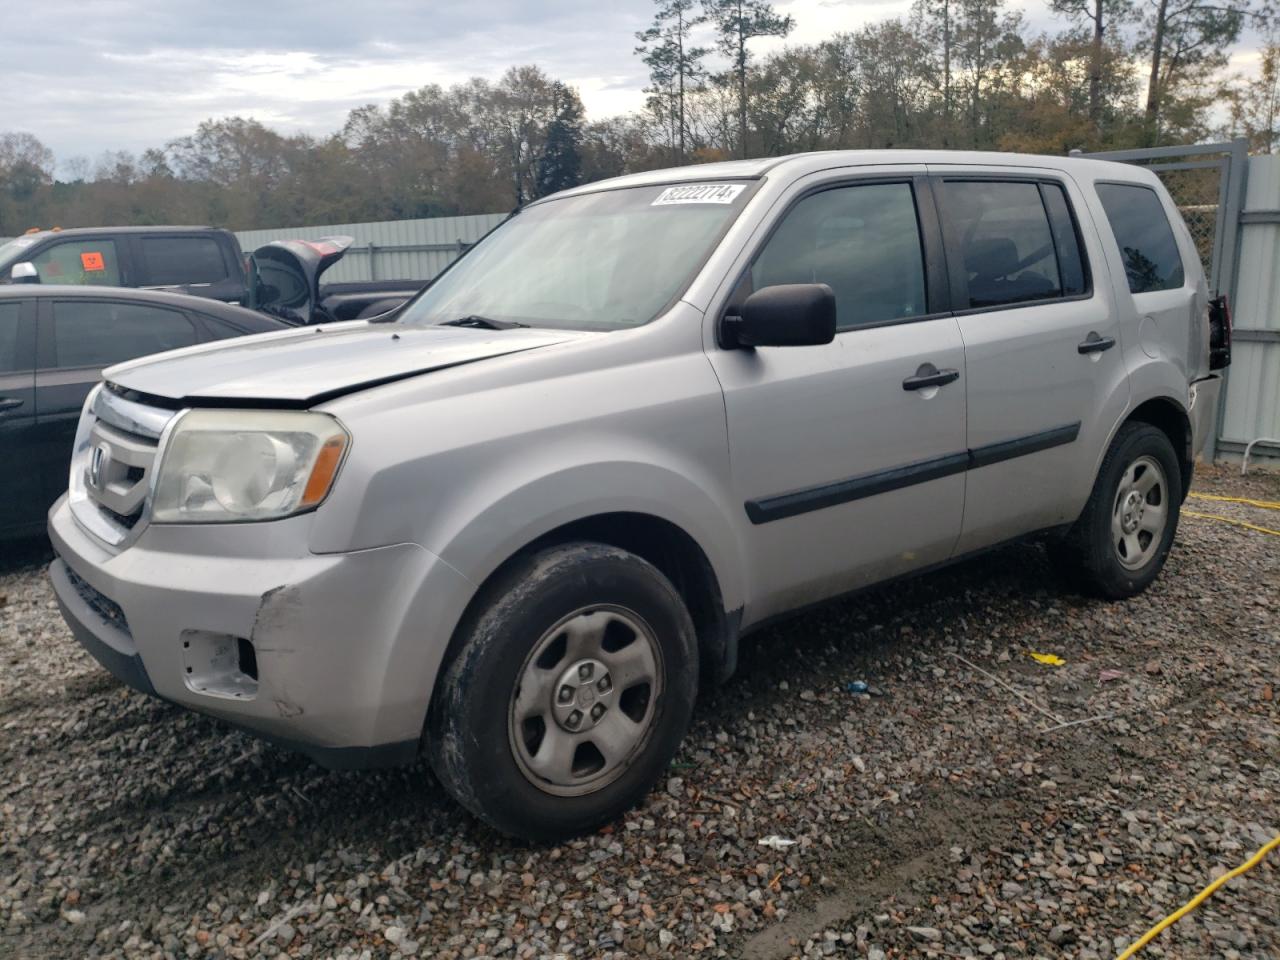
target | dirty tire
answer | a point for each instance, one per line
(467, 737)
(1087, 555)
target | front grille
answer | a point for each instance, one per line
(98, 602)
(116, 448)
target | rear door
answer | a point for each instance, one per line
(21, 506)
(77, 338)
(1046, 381)
(200, 264)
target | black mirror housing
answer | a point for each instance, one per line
(786, 315)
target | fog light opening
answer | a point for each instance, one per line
(219, 665)
(248, 659)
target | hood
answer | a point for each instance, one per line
(285, 276)
(308, 365)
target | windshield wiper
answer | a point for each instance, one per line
(484, 323)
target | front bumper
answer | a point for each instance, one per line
(343, 646)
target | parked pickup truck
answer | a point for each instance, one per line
(518, 523)
(281, 278)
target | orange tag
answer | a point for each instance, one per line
(92, 262)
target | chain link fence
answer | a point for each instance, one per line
(1196, 193)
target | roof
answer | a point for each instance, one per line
(799, 164)
(95, 231)
(250, 320)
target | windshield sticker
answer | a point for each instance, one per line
(700, 193)
(92, 262)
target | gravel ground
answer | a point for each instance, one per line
(942, 817)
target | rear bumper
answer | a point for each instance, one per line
(342, 646)
(1203, 404)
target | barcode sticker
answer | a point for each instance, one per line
(700, 193)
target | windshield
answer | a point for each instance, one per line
(599, 261)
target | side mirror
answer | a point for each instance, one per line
(24, 272)
(787, 315)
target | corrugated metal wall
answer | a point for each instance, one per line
(1253, 381)
(390, 249)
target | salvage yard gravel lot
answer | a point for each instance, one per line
(943, 817)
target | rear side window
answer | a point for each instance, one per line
(80, 262)
(1016, 241)
(10, 324)
(177, 261)
(98, 333)
(1141, 228)
(863, 241)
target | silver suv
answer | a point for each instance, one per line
(515, 526)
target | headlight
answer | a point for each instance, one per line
(223, 465)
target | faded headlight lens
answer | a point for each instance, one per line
(221, 466)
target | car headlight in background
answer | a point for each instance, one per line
(221, 466)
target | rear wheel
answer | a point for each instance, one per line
(571, 691)
(1123, 537)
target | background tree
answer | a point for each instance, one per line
(1099, 15)
(1254, 103)
(737, 22)
(673, 60)
(560, 166)
(1186, 42)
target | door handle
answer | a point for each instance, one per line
(1095, 344)
(930, 376)
(9, 403)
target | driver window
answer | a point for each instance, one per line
(79, 262)
(863, 241)
(1005, 243)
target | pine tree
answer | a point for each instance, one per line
(736, 22)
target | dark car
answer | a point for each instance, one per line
(281, 278)
(54, 343)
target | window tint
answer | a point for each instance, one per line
(79, 262)
(10, 323)
(98, 333)
(1065, 240)
(1142, 231)
(862, 241)
(175, 261)
(1006, 247)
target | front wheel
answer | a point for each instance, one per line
(1122, 539)
(569, 694)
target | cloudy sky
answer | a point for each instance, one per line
(91, 75)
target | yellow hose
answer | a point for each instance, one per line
(1232, 521)
(1199, 898)
(1264, 504)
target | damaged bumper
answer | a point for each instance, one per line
(329, 654)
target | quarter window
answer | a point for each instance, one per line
(177, 261)
(1141, 228)
(10, 325)
(98, 333)
(863, 241)
(1009, 251)
(80, 262)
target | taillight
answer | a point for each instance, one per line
(1219, 333)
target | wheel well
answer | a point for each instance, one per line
(681, 561)
(1167, 416)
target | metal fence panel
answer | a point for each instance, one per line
(389, 249)
(1253, 383)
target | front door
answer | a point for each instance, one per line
(1046, 376)
(78, 337)
(21, 507)
(848, 459)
